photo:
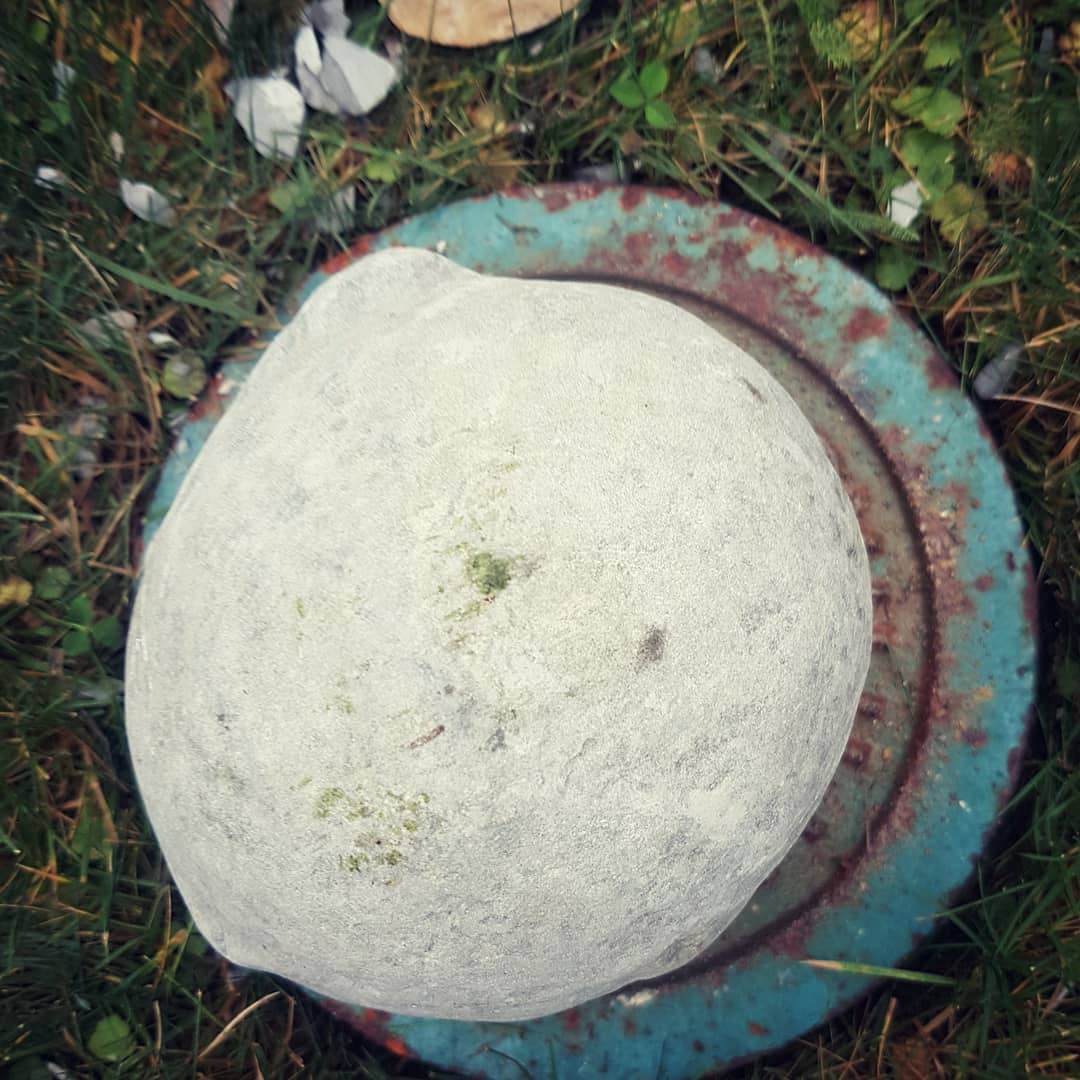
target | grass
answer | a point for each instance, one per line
(806, 113)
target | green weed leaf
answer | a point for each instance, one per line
(106, 632)
(88, 839)
(382, 170)
(184, 375)
(894, 268)
(941, 46)
(111, 1039)
(658, 114)
(920, 145)
(653, 79)
(626, 91)
(289, 196)
(937, 109)
(52, 584)
(76, 643)
(79, 612)
(931, 157)
(960, 210)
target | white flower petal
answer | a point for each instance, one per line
(64, 76)
(271, 112)
(308, 68)
(705, 64)
(222, 11)
(159, 339)
(51, 179)
(306, 50)
(996, 373)
(905, 202)
(356, 78)
(109, 328)
(328, 17)
(147, 203)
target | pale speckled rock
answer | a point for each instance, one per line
(501, 641)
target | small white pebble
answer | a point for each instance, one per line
(905, 202)
(51, 179)
(440, 247)
(996, 373)
(633, 1001)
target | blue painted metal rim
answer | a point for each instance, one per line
(982, 593)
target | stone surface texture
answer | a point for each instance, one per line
(501, 641)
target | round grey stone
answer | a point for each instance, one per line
(500, 642)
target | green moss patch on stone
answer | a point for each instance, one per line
(393, 825)
(327, 800)
(488, 573)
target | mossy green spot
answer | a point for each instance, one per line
(489, 573)
(327, 800)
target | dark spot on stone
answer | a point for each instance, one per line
(757, 394)
(223, 720)
(975, 738)
(698, 1046)
(496, 741)
(651, 649)
(629, 1027)
(447, 689)
(1010, 561)
(984, 582)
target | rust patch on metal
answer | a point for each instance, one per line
(757, 1029)
(209, 402)
(1031, 602)
(984, 582)
(938, 373)
(555, 199)
(638, 247)
(346, 258)
(677, 265)
(871, 706)
(857, 753)
(864, 324)
(374, 1023)
(632, 197)
(974, 737)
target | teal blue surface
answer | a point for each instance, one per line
(979, 582)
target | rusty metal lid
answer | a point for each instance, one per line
(937, 739)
